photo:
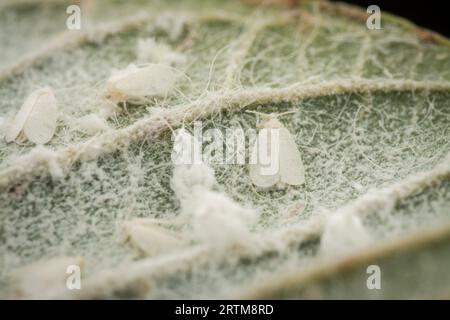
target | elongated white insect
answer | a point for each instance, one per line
(275, 159)
(39, 280)
(36, 118)
(136, 84)
(151, 239)
(93, 123)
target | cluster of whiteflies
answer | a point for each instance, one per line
(154, 75)
(208, 216)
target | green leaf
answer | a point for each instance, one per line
(371, 121)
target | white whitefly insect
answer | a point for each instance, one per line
(21, 117)
(92, 124)
(36, 119)
(137, 84)
(151, 239)
(275, 158)
(40, 279)
(149, 51)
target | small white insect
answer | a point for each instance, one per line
(149, 51)
(40, 279)
(36, 118)
(151, 239)
(92, 124)
(137, 84)
(275, 159)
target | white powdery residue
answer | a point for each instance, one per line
(189, 170)
(92, 150)
(107, 110)
(42, 278)
(93, 124)
(186, 177)
(50, 158)
(2, 127)
(149, 51)
(186, 148)
(172, 24)
(215, 218)
(343, 233)
(218, 220)
(357, 186)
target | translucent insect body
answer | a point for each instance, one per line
(36, 119)
(149, 238)
(275, 159)
(137, 84)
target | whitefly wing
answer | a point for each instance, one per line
(292, 171)
(21, 117)
(256, 168)
(41, 123)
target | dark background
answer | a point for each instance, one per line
(430, 14)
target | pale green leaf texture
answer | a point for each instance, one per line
(372, 125)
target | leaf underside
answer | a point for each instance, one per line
(352, 142)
